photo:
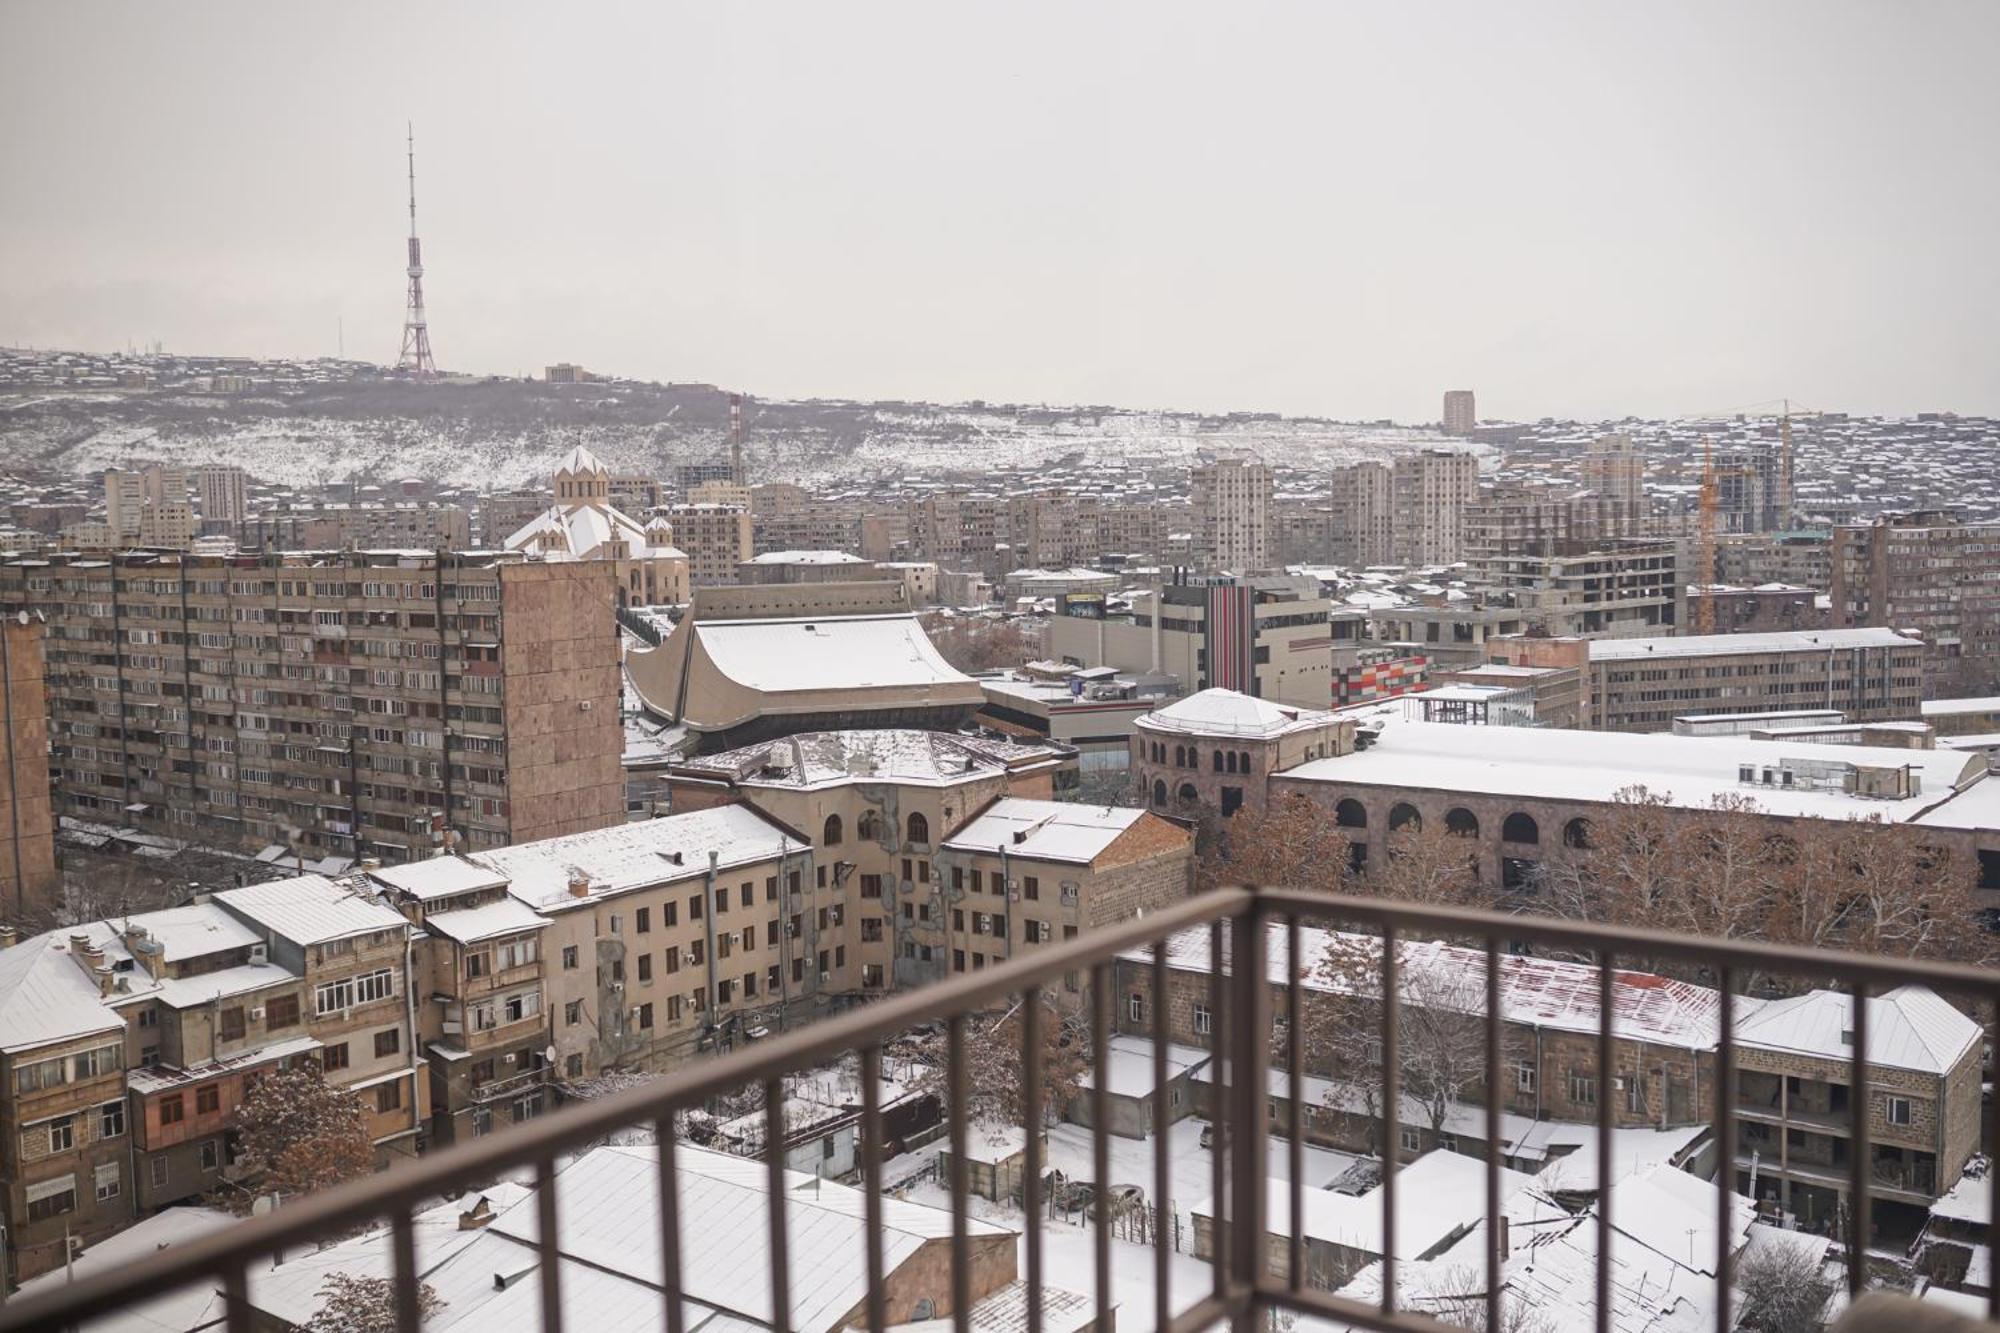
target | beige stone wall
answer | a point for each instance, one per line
(564, 738)
(29, 883)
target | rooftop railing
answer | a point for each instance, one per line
(1244, 1286)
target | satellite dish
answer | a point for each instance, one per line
(262, 1204)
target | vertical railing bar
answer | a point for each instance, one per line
(1250, 1089)
(961, 1185)
(1101, 1000)
(1494, 1221)
(547, 1254)
(1224, 1083)
(1295, 1072)
(1858, 1167)
(1990, 1134)
(236, 1297)
(774, 1212)
(668, 1139)
(403, 1242)
(1725, 1137)
(1392, 1106)
(1031, 1122)
(871, 1180)
(1163, 1272)
(1607, 976)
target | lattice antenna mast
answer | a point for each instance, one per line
(416, 357)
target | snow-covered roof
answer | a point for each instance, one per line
(1910, 1027)
(901, 755)
(311, 909)
(196, 1305)
(1776, 641)
(1946, 707)
(1688, 772)
(580, 530)
(827, 653)
(438, 877)
(46, 997)
(580, 461)
(1971, 1198)
(1131, 1065)
(806, 558)
(1219, 712)
(633, 856)
(192, 931)
(1534, 992)
(470, 925)
(163, 1078)
(1045, 830)
(207, 987)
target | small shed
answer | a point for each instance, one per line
(996, 1159)
(1129, 1091)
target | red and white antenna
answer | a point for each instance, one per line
(416, 357)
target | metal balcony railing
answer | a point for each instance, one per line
(1242, 1287)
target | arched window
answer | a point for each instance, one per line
(1404, 815)
(868, 828)
(1160, 793)
(1217, 758)
(830, 835)
(1350, 813)
(1180, 756)
(1242, 761)
(1576, 833)
(1461, 821)
(1187, 794)
(1519, 827)
(920, 829)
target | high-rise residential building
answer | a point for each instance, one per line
(148, 508)
(410, 525)
(348, 706)
(1430, 491)
(1614, 471)
(1363, 518)
(223, 496)
(1232, 510)
(716, 539)
(1460, 412)
(30, 886)
(1931, 573)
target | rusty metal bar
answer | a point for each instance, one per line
(548, 1256)
(1392, 1107)
(1224, 1136)
(1295, 1092)
(1607, 964)
(871, 1181)
(668, 1139)
(961, 1185)
(1494, 1221)
(1859, 1182)
(1163, 1270)
(774, 1207)
(1031, 1121)
(1989, 1120)
(1725, 1139)
(1101, 1000)
(236, 1297)
(403, 1244)
(1249, 1088)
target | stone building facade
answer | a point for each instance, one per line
(29, 882)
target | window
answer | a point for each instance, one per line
(569, 958)
(479, 964)
(62, 1133)
(721, 900)
(211, 1159)
(1031, 888)
(572, 1013)
(334, 1056)
(694, 907)
(108, 1183)
(159, 1171)
(1411, 1138)
(1524, 1077)
(482, 1072)
(281, 1011)
(672, 958)
(670, 914)
(1899, 1110)
(207, 1099)
(52, 1198)
(1135, 1008)
(573, 1066)
(1202, 1019)
(111, 1120)
(645, 967)
(388, 1096)
(173, 1109)
(645, 1015)
(1583, 1089)
(521, 1004)
(643, 920)
(871, 886)
(919, 829)
(232, 1023)
(830, 833)
(388, 1042)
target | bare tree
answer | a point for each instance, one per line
(301, 1135)
(977, 643)
(995, 1085)
(1292, 843)
(1783, 1289)
(350, 1303)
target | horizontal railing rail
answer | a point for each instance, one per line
(1244, 1230)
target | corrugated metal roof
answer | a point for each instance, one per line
(46, 997)
(632, 856)
(1911, 1027)
(311, 909)
(506, 917)
(438, 877)
(1045, 830)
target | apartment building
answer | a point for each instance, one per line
(1231, 498)
(715, 537)
(148, 507)
(1870, 675)
(1363, 515)
(407, 525)
(1265, 637)
(1461, 412)
(30, 885)
(1429, 493)
(222, 494)
(1927, 573)
(342, 706)
(1592, 588)
(1801, 559)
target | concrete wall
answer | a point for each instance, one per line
(29, 882)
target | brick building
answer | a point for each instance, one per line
(1928, 573)
(1217, 749)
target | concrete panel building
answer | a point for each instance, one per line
(1644, 684)
(1232, 511)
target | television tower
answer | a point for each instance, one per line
(416, 357)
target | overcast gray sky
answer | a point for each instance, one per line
(1587, 208)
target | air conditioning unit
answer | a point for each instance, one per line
(260, 953)
(510, 1057)
(791, 930)
(257, 1015)
(1013, 895)
(825, 976)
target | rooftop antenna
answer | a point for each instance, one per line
(416, 357)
